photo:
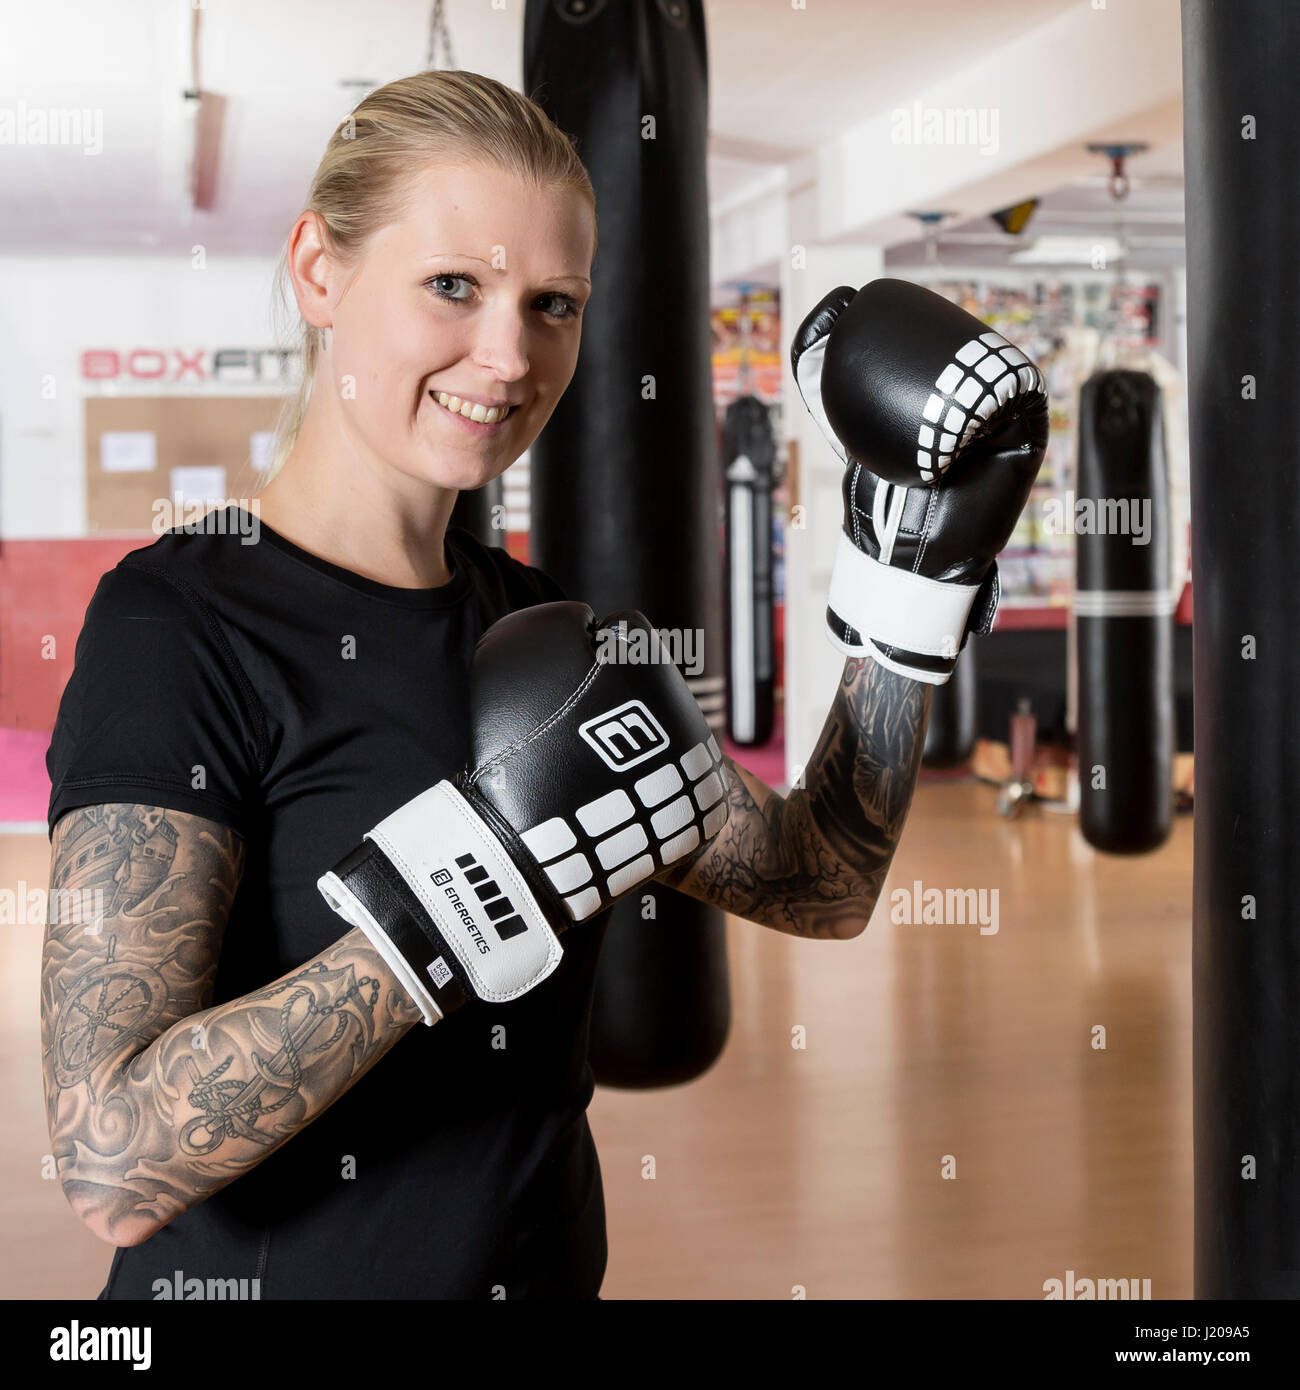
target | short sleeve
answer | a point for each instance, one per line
(157, 710)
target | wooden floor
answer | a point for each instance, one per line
(822, 1168)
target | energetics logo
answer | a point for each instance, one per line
(625, 736)
(496, 905)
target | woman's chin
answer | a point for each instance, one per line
(468, 475)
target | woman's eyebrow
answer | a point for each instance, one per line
(457, 256)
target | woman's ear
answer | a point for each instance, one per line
(310, 265)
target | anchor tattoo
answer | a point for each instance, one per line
(231, 1107)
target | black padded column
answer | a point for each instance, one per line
(1241, 114)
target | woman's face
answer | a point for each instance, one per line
(469, 305)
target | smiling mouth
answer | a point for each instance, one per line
(472, 410)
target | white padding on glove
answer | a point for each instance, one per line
(896, 608)
(471, 891)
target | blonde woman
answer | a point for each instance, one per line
(240, 1084)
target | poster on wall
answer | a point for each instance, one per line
(128, 451)
(1053, 321)
(747, 360)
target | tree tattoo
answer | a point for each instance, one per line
(813, 862)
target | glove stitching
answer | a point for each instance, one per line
(925, 530)
(511, 749)
(851, 634)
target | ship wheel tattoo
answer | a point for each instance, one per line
(232, 1107)
(107, 1008)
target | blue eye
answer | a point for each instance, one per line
(568, 306)
(440, 284)
(456, 288)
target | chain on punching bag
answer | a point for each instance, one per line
(625, 480)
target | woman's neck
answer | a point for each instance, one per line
(362, 529)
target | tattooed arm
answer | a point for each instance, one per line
(812, 863)
(155, 1100)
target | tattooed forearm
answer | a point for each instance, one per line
(813, 862)
(156, 1100)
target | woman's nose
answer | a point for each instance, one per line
(499, 346)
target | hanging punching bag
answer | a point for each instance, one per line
(748, 466)
(1124, 607)
(950, 734)
(625, 478)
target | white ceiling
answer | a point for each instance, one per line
(1148, 221)
(788, 79)
(783, 81)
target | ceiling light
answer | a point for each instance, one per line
(1099, 252)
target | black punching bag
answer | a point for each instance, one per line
(950, 734)
(1241, 132)
(748, 466)
(625, 477)
(1124, 609)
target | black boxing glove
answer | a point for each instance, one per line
(942, 426)
(594, 770)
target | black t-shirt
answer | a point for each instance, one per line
(474, 1164)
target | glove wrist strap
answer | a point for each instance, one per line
(440, 900)
(897, 609)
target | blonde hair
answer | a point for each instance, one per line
(364, 173)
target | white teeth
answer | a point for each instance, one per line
(483, 414)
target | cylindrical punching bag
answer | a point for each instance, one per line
(1124, 607)
(950, 734)
(478, 512)
(1241, 131)
(748, 467)
(625, 480)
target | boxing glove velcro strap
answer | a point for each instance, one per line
(365, 890)
(477, 923)
(896, 608)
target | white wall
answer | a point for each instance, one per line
(812, 664)
(54, 308)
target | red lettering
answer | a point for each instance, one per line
(146, 355)
(99, 364)
(189, 364)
